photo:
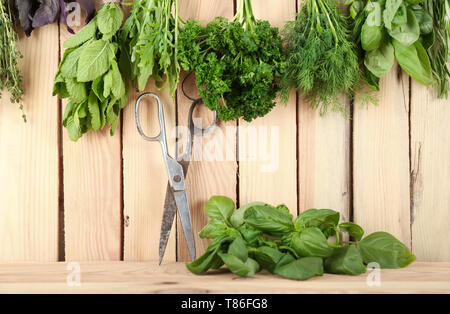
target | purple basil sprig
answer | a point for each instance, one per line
(37, 13)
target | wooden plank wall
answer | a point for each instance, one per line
(101, 198)
(92, 192)
(29, 157)
(324, 152)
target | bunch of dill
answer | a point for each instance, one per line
(10, 76)
(322, 62)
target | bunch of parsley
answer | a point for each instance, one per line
(236, 63)
(322, 62)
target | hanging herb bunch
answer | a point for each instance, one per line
(322, 62)
(389, 30)
(236, 63)
(149, 42)
(439, 42)
(10, 76)
(89, 75)
(33, 14)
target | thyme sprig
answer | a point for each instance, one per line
(10, 76)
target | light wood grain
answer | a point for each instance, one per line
(92, 193)
(381, 154)
(324, 158)
(430, 171)
(272, 179)
(29, 156)
(127, 277)
(145, 178)
(209, 173)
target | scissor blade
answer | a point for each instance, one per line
(170, 208)
(185, 217)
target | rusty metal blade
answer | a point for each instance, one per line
(170, 209)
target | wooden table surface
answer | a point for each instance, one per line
(129, 277)
(101, 199)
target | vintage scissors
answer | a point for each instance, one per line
(176, 198)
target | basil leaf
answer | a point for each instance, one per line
(384, 249)
(244, 269)
(269, 220)
(285, 260)
(424, 19)
(252, 235)
(237, 219)
(390, 10)
(311, 242)
(400, 18)
(301, 269)
(210, 259)
(267, 257)
(407, 33)
(352, 229)
(427, 40)
(374, 14)
(94, 61)
(237, 248)
(356, 7)
(372, 81)
(345, 260)
(320, 218)
(380, 61)
(415, 61)
(371, 37)
(219, 207)
(215, 228)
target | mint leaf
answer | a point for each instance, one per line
(77, 91)
(82, 36)
(109, 19)
(94, 112)
(94, 61)
(118, 88)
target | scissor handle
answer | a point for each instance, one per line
(192, 127)
(161, 137)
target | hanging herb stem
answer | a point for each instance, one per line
(439, 52)
(10, 76)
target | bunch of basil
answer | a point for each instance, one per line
(393, 29)
(259, 236)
